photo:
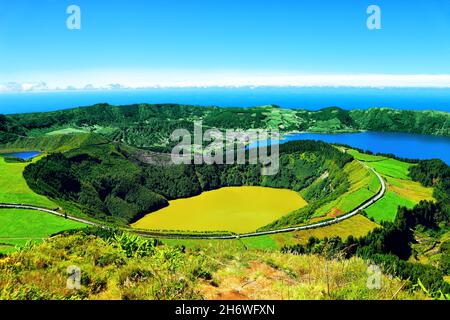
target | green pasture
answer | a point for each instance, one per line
(14, 188)
(18, 226)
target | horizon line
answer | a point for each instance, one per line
(161, 80)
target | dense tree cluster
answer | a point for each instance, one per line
(9, 130)
(385, 119)
(434, 173)
(109, 188)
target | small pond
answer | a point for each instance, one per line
(25, 155)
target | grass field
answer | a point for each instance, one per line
(383, 165)
(356, 226)
(392, 168)
(82, 130)
(236, 209)
(67, 131)
(401, 190)
(18, 226)
(409, 189)
(14, 189)
(55, 142)
(364, 184)
(280, 118)
(364, 157)
(386, 208)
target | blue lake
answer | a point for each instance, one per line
(26, 155)
(405, 145)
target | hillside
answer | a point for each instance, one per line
(55, 143)
(150, 126)
(113, 268)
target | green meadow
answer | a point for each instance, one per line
(392, 168)
(356, 226)
(385, 209)
(18, 226)
(364, 184)
(67, 131)
(401, 190)
(235, 209)
(383, 165)
(14, 188)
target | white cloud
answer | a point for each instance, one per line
(150, 79)
(23, 87)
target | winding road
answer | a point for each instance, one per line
(355, 211)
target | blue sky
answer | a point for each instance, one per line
(208, 39)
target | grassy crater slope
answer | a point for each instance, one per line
(112, 269)
(55, 143)
(361, 185)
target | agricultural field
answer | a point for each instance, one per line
(356, 226)
(364, 184)
(14, 188)
(79, 130)
(431, 247)
(18, 226)
(410, 189)
(386, 208)
(243, 209)
(392, 168)
(401, 190)
(280, 118)
(67, 131)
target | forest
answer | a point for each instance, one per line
(434, 173)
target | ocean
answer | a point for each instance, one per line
(288, 97)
